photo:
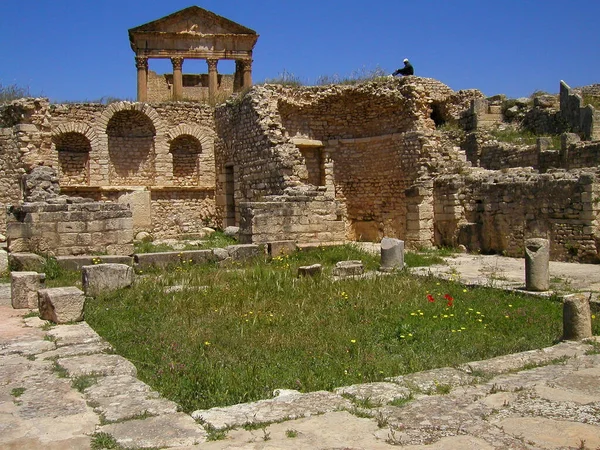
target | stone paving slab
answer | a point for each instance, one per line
(98, 364)
(376, 393)
(284, 407)
(76, 350)
(80, 333)
(432, 381)
(172, 430)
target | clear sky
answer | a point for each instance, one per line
(79, 49)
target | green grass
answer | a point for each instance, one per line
(257, 328)
(593, 100)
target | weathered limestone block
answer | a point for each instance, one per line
(61, 305)
(164, 259)
(310, 271)
(3, 261)
(26, 262)
(75, 263)
(537, 264)
(100, 278)
(244, 251)
(279, 248)
(348, 268)
(577, 317)
(24, 287)
(392, 254)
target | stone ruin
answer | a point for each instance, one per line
(405, 158)
(53, 224)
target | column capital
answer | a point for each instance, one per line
(177, 62)
(141, 62)
(246, 64)
(212, 64)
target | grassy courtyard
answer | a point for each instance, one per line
(232, 335)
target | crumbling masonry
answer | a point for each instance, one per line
(325, 164)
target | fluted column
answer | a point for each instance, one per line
(141, 63)
(177, 78)
(212, 77)
(247, 67)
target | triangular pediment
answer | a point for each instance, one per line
(192, 20)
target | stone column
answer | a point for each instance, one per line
(212, 77)
(238, 77)
(247, 68)
(141, 63)
(177, 78)
(577, 317)
(537, 264)
(392, 255)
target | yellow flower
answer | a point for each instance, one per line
(593, 316)
(353, 341)
(410, 334)
(508, 317)
(510, 306)
(206, 343)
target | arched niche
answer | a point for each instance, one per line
(131, 148)
(73, 148)
(186, 150)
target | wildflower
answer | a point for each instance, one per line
(353, 341)
(593, 316)
(507, 316)
(206, 343)
(409, 334)
(510, 306)
(464, 290)
(450, 300)
(402, 336)
(430, 298)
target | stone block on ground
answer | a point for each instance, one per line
(244, 251)
(97, 364)
(310, 271)
(380, 393)
(24, 287)
(164, 259)
(281, 248)
(348, 268)
(26, 262)
(75, 263)
(61, 304)
(100, 278)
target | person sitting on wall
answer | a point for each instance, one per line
(408, 69)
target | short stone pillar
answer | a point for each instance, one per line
(577, 317)
(537, 264)
(24, 287)
(392, 255)
(100, 278)
(141, 64)
(349, 268)
(61, 305)
(310, 271)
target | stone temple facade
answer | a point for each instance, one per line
(407, 158)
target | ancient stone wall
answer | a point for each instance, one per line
(305, 214)
(70, 229)
(495, 211)
(501, 155)
(123, 145)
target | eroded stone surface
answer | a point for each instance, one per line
(98, 364)
(279, 408)
(376, 393)
(80, 333)
(163, 431)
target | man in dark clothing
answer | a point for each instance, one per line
(406, 70)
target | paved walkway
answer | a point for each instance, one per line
(49, 401)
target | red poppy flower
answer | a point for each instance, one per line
(430, 298)
(450, 299)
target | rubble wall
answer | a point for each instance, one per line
(495, 211)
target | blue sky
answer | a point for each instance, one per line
(79, 49)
